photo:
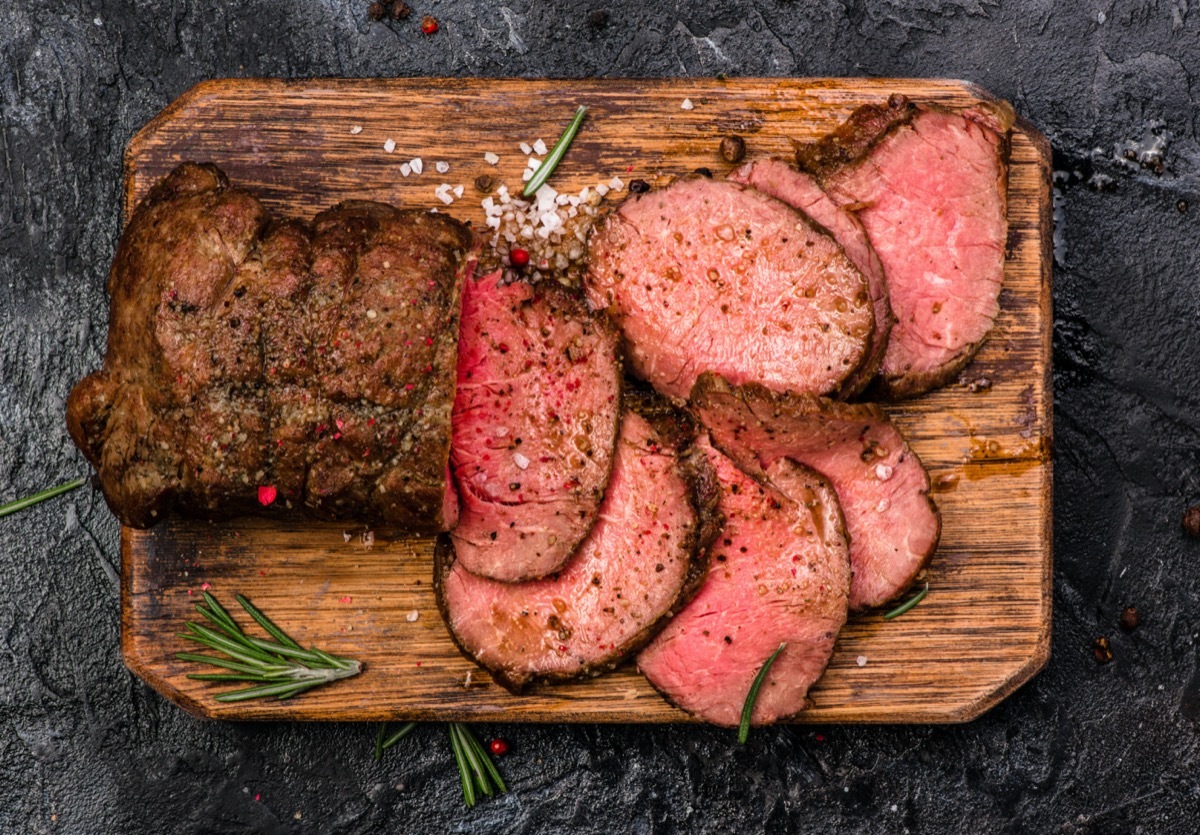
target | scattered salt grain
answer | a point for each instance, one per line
(861, 660)
(412, 616)
(417, 165)
(389, 145)
(526, 149)
(458, 191)
(602, 189)
(490, 158)
(539, 148)
(356, 130)
(405, 169)
(534, 163)
(467, 681)
(520, 460)
(442, 166)
(346, 536)
(687, 105)
(883, 505)
(883, 472)
(616, 184)
(368, 538)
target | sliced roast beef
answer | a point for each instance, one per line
(799, 190)
(882, 486)
(640, 564)
(535, 426)
(315, 361)
(712, 275)
(779, 574)
(930, 187)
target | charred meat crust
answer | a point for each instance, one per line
(219, 366)
(704, 496)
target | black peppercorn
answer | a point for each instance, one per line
(733, 148)
(376, 11)
(598, 18)
(1130, 619)
(400, 10)
(704, 172)
(484, 182)
(1181, 206)
(1191, 521)
(638, 186)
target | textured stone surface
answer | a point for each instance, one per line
(84, 747)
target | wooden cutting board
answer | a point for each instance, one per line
(984, 628)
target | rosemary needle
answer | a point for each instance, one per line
(752, 696)
(279, 668)
(556, 154)
(908, 604)
(21, 504)
(384, 742)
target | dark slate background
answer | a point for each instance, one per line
(1086, 747)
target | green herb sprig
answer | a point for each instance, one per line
(555, 156)
(908, 604)
(475, 767)
(752, 696)
(280, 668)
(476, 770)
(21, 504)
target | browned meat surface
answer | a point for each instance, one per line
(641, 562)
(535, 426)
(779, 574)
(881, 484)
(930, 187)
(709, 275)
(318, 360)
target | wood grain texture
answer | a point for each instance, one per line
(984, 628)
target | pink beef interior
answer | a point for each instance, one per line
(535, 425)
(779, 573)
(881, 484)
(711, 275)
(629, 573)
(799, 190)
(932, 201)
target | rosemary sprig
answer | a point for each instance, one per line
(475, 767)
(752, 696)
(555, 156)
(21, 504)
(280, 668)
(476, 771)
(908, 604)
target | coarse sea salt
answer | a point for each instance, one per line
(389, 145)
(687, 105)
(417, 165)
(405, 169)
(490, 158)
(539, 148)
(412, 616)
(441, 166)
(356, 130)
(520, 460)
(883, 472)
(526, 148)
(861, 660)
(458, 191)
